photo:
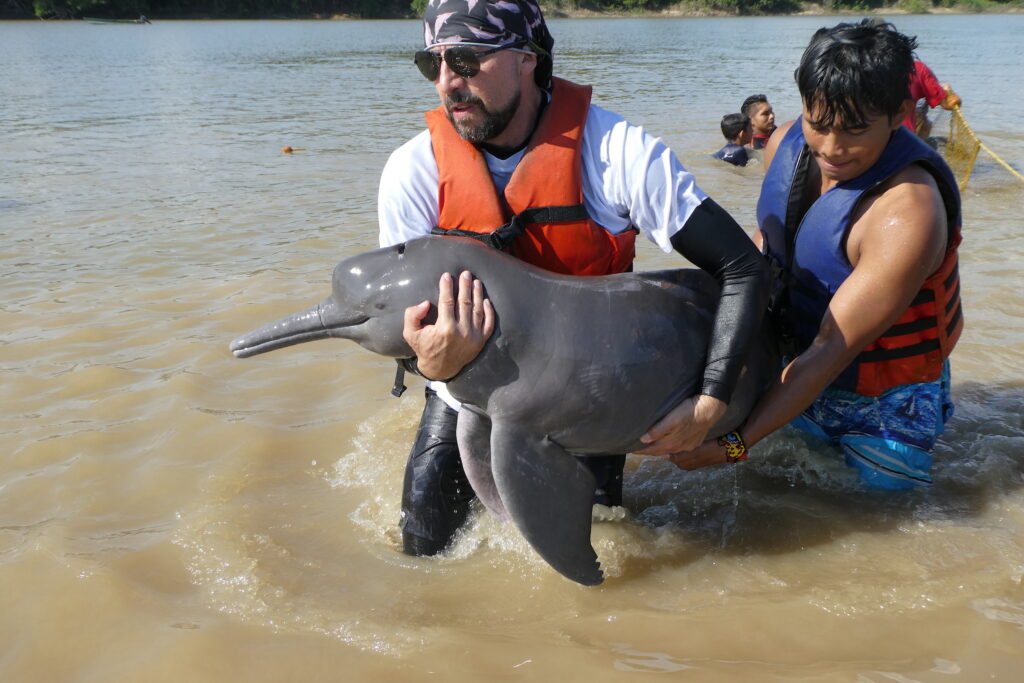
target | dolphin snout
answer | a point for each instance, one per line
(304, 326)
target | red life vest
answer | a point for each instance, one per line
(544, 197)
(915, 346)
(758, 141)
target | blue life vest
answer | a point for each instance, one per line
(808, 262)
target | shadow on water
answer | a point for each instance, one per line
(797, 494)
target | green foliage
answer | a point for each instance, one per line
(69, 9)
(749, 7)
(169, 9)
(916, 6)
(633, 5)
(166, 9)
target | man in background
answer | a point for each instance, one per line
(762, 119)
(927, 93)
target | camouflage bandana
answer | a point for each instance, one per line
(489, 22)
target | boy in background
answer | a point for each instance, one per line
(737, 131)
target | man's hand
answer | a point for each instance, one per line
(952, 100)
(447, 346)
(685, 427)
(708, 453)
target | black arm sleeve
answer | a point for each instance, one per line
(714, 242)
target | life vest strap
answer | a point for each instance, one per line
(503, 236)
(954, 299)
(919, 325)
(953, 275)
(954, 320)
(878, 355)
(398, 388)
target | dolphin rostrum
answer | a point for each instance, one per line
(576, 366)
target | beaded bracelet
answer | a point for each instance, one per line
(735, 449)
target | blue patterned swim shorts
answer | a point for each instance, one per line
(886, 438)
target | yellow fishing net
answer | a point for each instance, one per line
(960, 148)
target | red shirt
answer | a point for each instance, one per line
(924, 86)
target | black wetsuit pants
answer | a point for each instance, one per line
(436, 494)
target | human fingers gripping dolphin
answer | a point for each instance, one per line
(685, 427)
(462, 328)
(708, 453)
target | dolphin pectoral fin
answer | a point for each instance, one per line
(473, 433)
(549, 496)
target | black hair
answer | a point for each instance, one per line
(734, 124)
(750, 102)
(854, 72)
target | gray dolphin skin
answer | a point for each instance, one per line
(576, 366)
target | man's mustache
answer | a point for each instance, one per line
(462, 97)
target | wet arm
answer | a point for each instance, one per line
(893, 261)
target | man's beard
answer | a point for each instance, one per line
(490, 124)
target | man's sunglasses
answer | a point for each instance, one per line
(461, 59)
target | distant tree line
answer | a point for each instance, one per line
(380, 9)
(203, 9)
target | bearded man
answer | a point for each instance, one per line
(527, 163)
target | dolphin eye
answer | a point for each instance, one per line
(379, 306)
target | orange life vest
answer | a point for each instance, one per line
(540, 218)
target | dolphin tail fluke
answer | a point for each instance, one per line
(549, 495)
(304, 326)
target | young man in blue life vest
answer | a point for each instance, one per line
(860, 223)
(508, 140)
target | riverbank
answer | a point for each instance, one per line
(691, 8)
(564, 9)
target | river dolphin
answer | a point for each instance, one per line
(576, 366)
